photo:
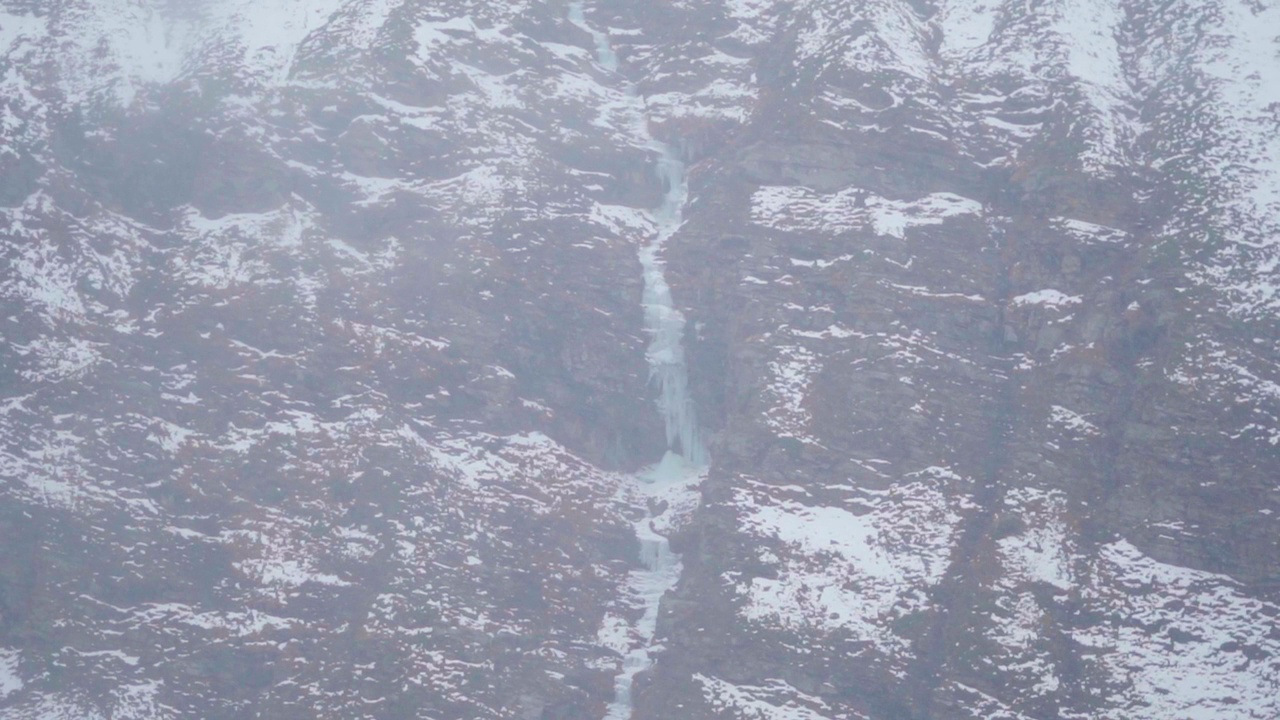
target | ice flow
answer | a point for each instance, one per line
(664, 323)
(675, 478)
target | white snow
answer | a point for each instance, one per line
(235, 249)
(797, 208)
(894, 218)
(43, 276)
(47, 706)
(10, 679)
(432, 34)
(821, 264)
(966, 24)
(246, 623)
(978, 705)
(117, 655)
(776, 701)
(1047, 297)
(721, 99)
(1090, 232)
(856, 571)
(624, 221)
(140, 701)
(1238, 54)
(1177, 641)
(20, 27)
(359, 23)
(282, 571)
(755, 21)
(118, 49)
(486, 460)
(835, 331)
(926, 292)
(57, 359)
(616, 634)
(1089, 31)
(1041, 552)
(891, 38)
(1073, 421)
(790, 377)
(170, 436)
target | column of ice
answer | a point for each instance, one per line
(664, 323)
(685, 461)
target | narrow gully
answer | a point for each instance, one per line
(673, 482)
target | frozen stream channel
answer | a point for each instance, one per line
(671, 484)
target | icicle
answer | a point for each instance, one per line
(664, 323)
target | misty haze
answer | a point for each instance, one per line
(640, 359)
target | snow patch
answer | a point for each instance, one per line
(791, 376)
(1090, 232)
(794, 208)
(10, 679)
(1040, 552)
(966, 25)
(776, 701)
(140, 701)
(856, 571)
(1179, 642)
(1048, 298)
(16, 28)
(1073, 421)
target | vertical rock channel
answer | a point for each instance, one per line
(671, 485)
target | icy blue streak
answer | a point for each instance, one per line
(684, 464)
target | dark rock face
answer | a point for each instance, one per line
(316, 368)
(957, 319)
(323, 367)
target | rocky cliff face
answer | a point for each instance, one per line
(323, 375)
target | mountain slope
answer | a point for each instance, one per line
(996, 434)
(324, 390)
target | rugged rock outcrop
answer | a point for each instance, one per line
(994, 434)
(323, 367)
(321, 348)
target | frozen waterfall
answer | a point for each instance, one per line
(675, 478)
(664, 323)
